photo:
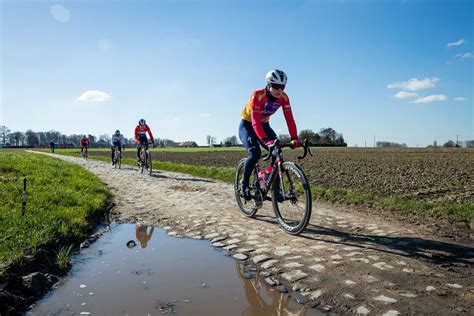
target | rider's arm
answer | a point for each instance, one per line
(290, 121)
(149, 133)
(136, 134)
(122, 140)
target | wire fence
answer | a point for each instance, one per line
(23, 194)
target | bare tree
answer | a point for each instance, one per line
(449, 143)
(16, 138)
(209, 141)
(31, 138)
(328, 135)
(4, 132)
(230, 141)
(284, 138)
(105, 138)
(470, 143)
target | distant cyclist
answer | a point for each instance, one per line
(51, 145)
(85, 142)
(255, 130)
(140, 136)
(117, 140)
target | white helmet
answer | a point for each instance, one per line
(276, 76)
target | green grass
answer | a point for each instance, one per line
(454, 212)
(62, 200)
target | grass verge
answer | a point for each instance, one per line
(454, 212)
(63, 200)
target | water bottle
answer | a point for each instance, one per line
(261, 179)
(268, 172)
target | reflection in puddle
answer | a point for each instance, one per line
(160, 275)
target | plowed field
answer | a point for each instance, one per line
(442, 175)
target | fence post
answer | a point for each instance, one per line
(23, 199)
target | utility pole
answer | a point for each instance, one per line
(374, 141)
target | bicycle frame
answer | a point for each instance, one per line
(275, 152)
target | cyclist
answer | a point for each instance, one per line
(84, 143)
(117, 140)
(140, 136)
(142, 235)
(51, 145)
(255, 130)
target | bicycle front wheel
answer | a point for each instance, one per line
(148, 163)
(291, 199)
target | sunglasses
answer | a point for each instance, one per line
(278, 86)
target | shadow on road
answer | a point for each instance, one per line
(437, 252)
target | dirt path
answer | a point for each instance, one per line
(347, 261)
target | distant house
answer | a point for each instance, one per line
(186, 144)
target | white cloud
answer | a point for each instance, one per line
(177, 118)
(431, 99)
(414, 84)
(405, 95)
(464, 55)
(60, 13)
(93, 96)
(460, 99)
(205, 115)
(457, 43)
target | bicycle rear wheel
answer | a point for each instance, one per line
(291, 199)
(248, 208)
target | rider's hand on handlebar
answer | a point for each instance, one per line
(295, 143)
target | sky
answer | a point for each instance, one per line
(397, 71)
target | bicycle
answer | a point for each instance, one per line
(291, 193)
(145, 159)
(117, 157)
(85, 152)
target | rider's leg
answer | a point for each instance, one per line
(269, 131)
(112, 149)
(250, 141)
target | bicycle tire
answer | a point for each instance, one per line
(115, 160)
(293, 221)
(142, 160)
(245, 208)
(149, 164)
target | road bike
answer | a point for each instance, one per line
(290, 190)
(117, 160)
(144, 163)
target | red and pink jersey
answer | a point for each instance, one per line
(142, 130)
(259, 109)
(84, 141)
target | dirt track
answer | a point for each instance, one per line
(349, 261)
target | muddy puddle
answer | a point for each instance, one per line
(139, 270)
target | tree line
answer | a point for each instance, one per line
(325, 137)
(43, 139)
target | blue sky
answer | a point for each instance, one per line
(401, 71)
